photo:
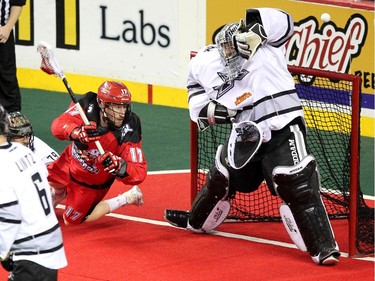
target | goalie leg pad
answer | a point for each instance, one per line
(211, 206)
(298, 186)
(292, 227)
(217, 215)
(296, 183)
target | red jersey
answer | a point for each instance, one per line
(125, 142)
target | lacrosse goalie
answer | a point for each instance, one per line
(244, 79)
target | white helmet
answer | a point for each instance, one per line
(227, 50)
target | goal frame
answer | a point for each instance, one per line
(354, 147)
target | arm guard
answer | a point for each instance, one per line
(214, 113)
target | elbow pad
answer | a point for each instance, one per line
(214, 113)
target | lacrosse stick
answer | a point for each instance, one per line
(244, 141)
(50, 66)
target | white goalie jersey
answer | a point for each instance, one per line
(29, 229)
(263, 91)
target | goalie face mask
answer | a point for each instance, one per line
(228, 53)
(20, 129)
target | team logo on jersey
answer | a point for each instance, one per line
(90, 108)
(227, 83)
(86, 158)
(242, 98)
(125, 129)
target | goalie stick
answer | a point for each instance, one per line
(50, 66)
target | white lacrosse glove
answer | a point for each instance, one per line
(248, 40)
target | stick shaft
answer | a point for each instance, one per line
(80, 110)
(51, 66)
(67, 86)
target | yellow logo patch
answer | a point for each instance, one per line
(242, 98)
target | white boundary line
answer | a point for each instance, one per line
(226, 234)
(168, 172)
(219, 233)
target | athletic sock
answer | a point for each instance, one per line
(58, 191)
(116, 202)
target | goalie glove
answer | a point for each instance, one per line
(113, 164)
(249, 39)
(214, 113)
(85, 133)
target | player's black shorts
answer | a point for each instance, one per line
(27, 270)
(276, 152)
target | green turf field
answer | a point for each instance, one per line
(166, 133)
(165, 129)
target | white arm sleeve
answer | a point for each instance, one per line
(278, 25)
(197, 97)
(44, 152)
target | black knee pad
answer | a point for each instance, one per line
(299, 183)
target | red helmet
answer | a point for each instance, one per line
(114, 92)
(114, 100)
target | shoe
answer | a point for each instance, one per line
(327, 257)
(134, 196)
(57, 197)
(177, 218)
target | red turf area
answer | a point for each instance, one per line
(117, 249)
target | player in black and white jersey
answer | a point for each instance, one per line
(21, 130)
(244, 78)
(31, 245)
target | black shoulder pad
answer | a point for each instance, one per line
(131, 131)
(90, 106)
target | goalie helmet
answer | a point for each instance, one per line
(4, 121)
(114, 100)
(227, 50)
(20, 129)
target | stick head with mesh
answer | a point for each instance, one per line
(244, 141)
(49, 64)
